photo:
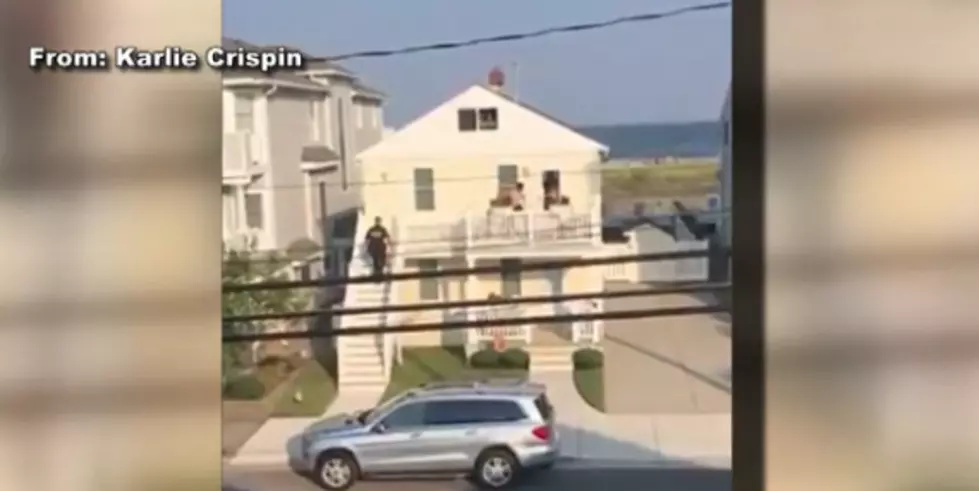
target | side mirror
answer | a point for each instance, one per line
(379, 429)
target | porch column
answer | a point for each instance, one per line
(466, 315)
(241, 220)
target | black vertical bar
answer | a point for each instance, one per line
(748, 248)
(324, 230)
(342, 143)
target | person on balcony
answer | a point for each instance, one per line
(517, 197)
(378, 242)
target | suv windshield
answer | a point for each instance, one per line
(370, 416)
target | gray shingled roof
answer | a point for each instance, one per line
(314, 63)
(319, 153)
(291, 77)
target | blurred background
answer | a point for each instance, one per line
(109, 312)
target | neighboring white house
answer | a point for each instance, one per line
(289, 142)
(442, 184)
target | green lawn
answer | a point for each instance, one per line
(432, 364)
(591, 386)
(318, 390)
(694, 176)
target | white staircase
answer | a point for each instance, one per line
(545, 358)
(361, 363)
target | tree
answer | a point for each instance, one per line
(241, 268)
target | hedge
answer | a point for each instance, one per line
(515, 358)
(244, 388)
(485, 358)
(587, 359)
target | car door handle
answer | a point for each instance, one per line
(471, 432)
(416, 434)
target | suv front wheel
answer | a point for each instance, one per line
(336, 471)
(496, 469)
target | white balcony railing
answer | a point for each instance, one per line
(240, 153)
(508, 333)
(503, 228)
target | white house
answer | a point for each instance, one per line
(443, 186)
(289, 140)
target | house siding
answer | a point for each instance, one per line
(470, 183)
(290, 129)
(533, 283)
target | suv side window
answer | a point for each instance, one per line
(407, 416)
(458, 412)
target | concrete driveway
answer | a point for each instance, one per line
(666, 365)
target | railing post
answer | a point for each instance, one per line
(530, 227)
(468, 227)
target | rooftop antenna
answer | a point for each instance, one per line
(516, 80)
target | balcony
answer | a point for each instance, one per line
(241, 156)
(501, 230)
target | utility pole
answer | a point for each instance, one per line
(324, 230)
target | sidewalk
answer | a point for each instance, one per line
(278, 438)
(587, 437)
(587, 434)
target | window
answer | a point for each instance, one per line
(727, 133)
(440, 413)
(467, 120)
(316, 122)
(510, 277)
(359, 114)
(245, 112)
(544, 407)
(488, 119)
(407, 416)
(424, 190)
(506, 177)
(254, 212)
(428, 288)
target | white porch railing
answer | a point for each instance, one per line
(587, 331)
(502, 227)
(479, 335)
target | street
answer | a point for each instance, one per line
(253, 479)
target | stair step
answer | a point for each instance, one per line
(362, 379)
(363, 370)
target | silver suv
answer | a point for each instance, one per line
(490, 430)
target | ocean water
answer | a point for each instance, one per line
(650, 140)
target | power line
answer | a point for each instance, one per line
(504, 38)
(452, 325)
(600, 170)
(414, 275)
(461, 304)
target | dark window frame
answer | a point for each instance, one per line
(510, 275)
(428, 288)
(488, 119)
(424, 192)
(467, 119)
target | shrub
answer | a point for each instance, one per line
(588, 358)
(515, 358)
(245, 388)
(302, 247)
(485, 358)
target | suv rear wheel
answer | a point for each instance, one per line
(496, 469)
(336, 471)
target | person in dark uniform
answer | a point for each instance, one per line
(378, 240)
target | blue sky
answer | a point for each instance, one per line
(669, 70)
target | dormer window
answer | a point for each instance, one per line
(482, 119)
(488, 120)
(467, 120)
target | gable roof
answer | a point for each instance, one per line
(569, 135)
